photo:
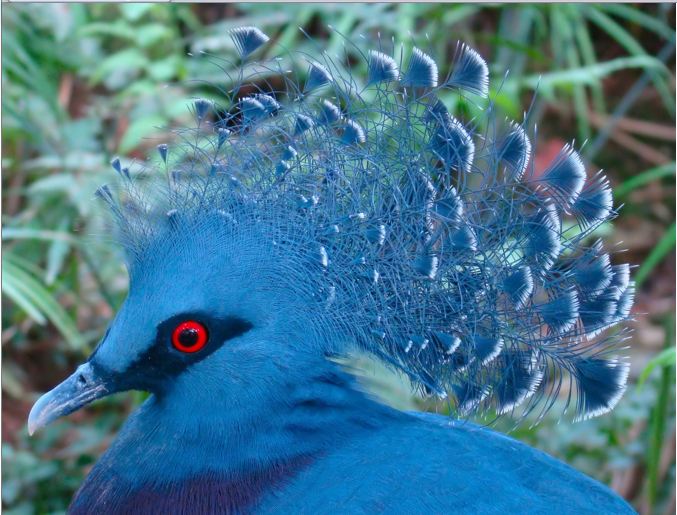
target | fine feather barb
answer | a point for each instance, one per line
(422, 71)
(247, 40)
(381, 68)
(397, 228)
(470, 71)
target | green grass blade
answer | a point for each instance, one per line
(634, 15)
(12, 290)
(20, 233)
(664, 246)
(628, 42)
(664, 359)
(291, 31)
(657, 419)
(43, 300)
(56, 255)
(587, 50)
(591, 74)
(653, 174)
(564, 24)
(457, 13)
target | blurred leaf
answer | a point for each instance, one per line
(164, 69)
(535, 54)
(634, 15)
(56, 255)
(657, 420)
(22, 233)
(11, 380)
(666, 358)
(565, 27)
(118, 29)
(626, 40)
(130, 60)
(13, 290)
(25, 68)
(454, 14)
(32, 293)
(590, 74)
(148, 35)
(664, 246)
(57, 183)
(141, 87)
(643, 178)
(81, 135)
(134, 12)
(139, 129)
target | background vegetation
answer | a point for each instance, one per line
(83, 83)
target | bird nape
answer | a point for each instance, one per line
(312, 212)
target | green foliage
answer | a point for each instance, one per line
(664, 246)
(659, 414)
(642, 179)
(29, 293)
(38, 479)
(85, 82)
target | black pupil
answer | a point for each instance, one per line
(188, 337)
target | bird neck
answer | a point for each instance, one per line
(249, 438)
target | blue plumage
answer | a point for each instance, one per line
(163, 148)
(302, 124)
(518, 285)
(318, 76)
(202, 108)
(329, 113)
(422, 70)
(542, 237)
(592, 270)
(353, 133)
(514, 151)
(247, 40)
(560, 313)
(251, 110)
(595, 202)
(625, 301)
(291, 227)
(565, 177)
(520, 382)
(381, 68)
(453, 145)
(602, 381)
(222, 136)
(470, 71)
(462, 239)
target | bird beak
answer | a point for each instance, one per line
(83, 387)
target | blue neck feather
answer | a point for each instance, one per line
(225, 452)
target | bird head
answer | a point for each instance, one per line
(212, 305)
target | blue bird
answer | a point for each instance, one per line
(312, 214)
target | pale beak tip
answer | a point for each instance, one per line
(35, 418)
(78, 390)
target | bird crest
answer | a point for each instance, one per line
(393, 225)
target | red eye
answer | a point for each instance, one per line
(189, 336)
